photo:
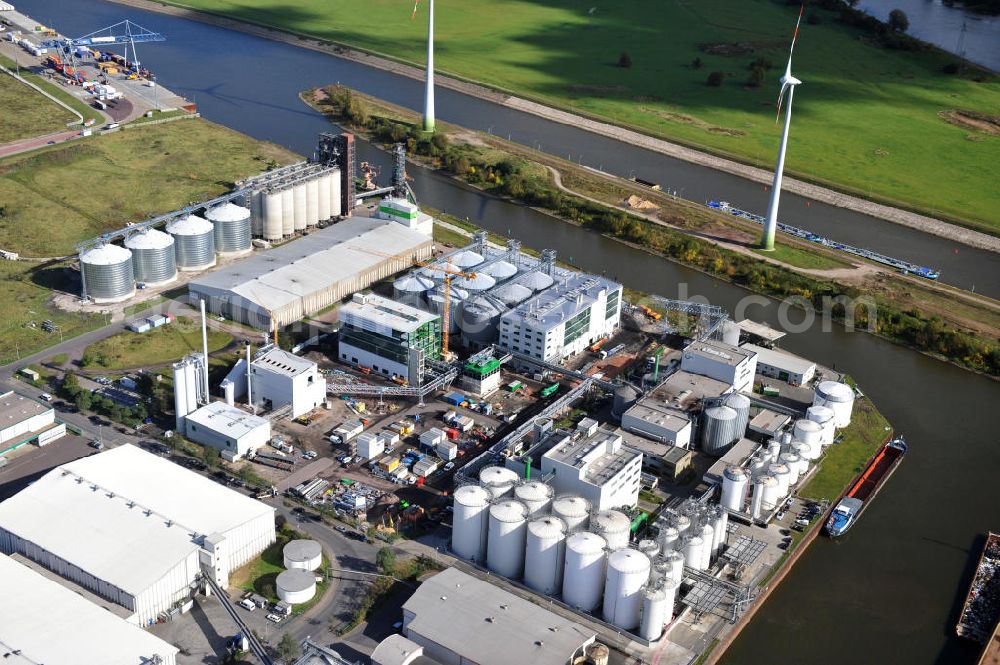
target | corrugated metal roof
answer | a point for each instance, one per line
(226, 420)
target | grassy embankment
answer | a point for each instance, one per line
(57, 91)
(927, 318)
(167, 343)
(260, 574)
(53, 198)
(28, 113)
(869, 116)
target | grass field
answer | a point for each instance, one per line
(53, 199)
(866, 118)
(28, 113)
(801, 258)
(167, 343)
(60, 93)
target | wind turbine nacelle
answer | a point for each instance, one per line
(788, 79)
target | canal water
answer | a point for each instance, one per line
(251, 84)
(889, 592)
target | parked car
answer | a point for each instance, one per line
(274, 617)
(449, 466)
(96, 444)
(248, 605)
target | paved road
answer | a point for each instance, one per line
(25, 145)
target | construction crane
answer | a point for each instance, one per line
(449, 274)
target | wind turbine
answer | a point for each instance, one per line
(788, 82)
(429, 86)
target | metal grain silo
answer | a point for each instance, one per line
(287, 211)
(312, 202)
(465, 259)
(536, 495)
(481, 282)
(153, 260)
(498, 480)
(741, 405)
(478, 320)
(194, 242)
(837, 396)
(584, 573)
(512, 295)
(273, 215)
(232, 228)
(628, 571)
(501, 270)
(668, 538)
(469, 522)
(257, 214)
(107, 273)
(410, 289)
(574, 511)
(827, 419)
(735, 481)
(612, 525)
(323, 194)
(808, 431)
(536, 281)
(299, 206)
(693, 551)
(654, 613)
(719, 430)
(545, 554)
(506, 539)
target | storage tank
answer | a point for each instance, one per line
(773, 450)
(682, 523)
(694, 552)
(324, 195)
(734, 488)
(649, 547)
(107, 273)
(232, 228)
(583, 577)
(287, 211)
(295, 586)
(536, 281)
(837, 396)
(668, 538)
(194, 242)
(335, 202)
(757, 499)
(806, 451)
(597, 654)
(676, 561)
(612, 525)
(302, 554)
(477, 284)
(654, 613)
(410, 289)
(628, 571)
(625, 397)
(741, 405)
(574, 511)
(545, 554)
(478, 319)
(469, 522)
(708, 539)
(153, 260)
(731, 333)
(299, 206)
(770, 492)
(273, 216)
(465, 259)
(512, 295)
(312, 202)
(783, 475)
(500, 270)
(536, 495)
(506, 539)
(826, 418)
(257, 214)
(808, 431)
(719, 430)
(720, 524)
(498, 480)
(791, 460)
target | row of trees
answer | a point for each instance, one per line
(85, 400)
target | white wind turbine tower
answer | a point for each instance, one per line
(788, 82)
(429, 86)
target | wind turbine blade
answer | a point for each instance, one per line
(414, 14)
(781, 97)
(795, 35)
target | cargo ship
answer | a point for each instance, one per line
(862, 492)
(982, 604)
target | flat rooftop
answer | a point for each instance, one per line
(719, 352)
(382, 315)
(683, 389)
(592, 452)
(783, 359)
(15, 409)
(280, 361)
(734, 456)
(664, 416)
(769, 422)
(760, 330)
(42, 622)
(564, 299)
(490, 626)
(224, 419)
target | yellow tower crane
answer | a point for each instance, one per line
(449, 274)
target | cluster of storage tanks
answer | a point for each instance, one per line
(560, 547)
(759, 486)
(152, 257)
(285, 207)
(724, 424)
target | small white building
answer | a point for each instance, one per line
(432, 437)
(782, 365)
(23, 421)
(447, 450)
(592, 462)
(279, 378)
(370, 445)
(723, 362)
(408, 214)
(233, 431)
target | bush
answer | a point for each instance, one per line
(898, 21)
(715, 79)
(951, 68)
(624, 60)
(697, 63)
(756, 78)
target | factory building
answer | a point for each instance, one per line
(722, 362)
(592, 462)
(563, 320)
(664, 414)
(232, 431)
(134, 528)
(387, 336)
(23, 421)
(782, 365)
(406, 213)
(43, 622)
(279, 378)
(314, 272)
(459, 619)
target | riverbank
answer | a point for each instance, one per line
(861, 200)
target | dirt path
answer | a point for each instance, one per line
(896, 215)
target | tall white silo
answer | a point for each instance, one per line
(312, 202)
(107, 273)
(545, 554)
(628, 571)
(574, 511)
(837, 396)
(536, 495)
(612, 525)
(584, 574)
(506, 538)
(469, 522)
(324, 195)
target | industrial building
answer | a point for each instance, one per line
(406, 213)
(134, 528)
(782, 365)
(723, 362)
(232, 431)
(391, 338)
(282, 285)
(23, 421)
(42, 621)
(592, 462)
(279, 378)
(458, 619)
(665, 413)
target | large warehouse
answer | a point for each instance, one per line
(308, 274)
(134, 528)
(43, 622)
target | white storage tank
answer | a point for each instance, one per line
(257, 214)
(612, 525)
(107, 273)
(791, 460)
(512, 295)
(232, 228)
(676, 561)
(655, 613)
(808, 431)
(481, 282)
(478, 318)
(730, 333)
(469, 522)
(324, 196)
(649, 547)
(826, 418)
(682, 523)
(837, 396)
(583, 577)
(536, 281)
(668, 538)
(335, 202)
(302, 554)
(545, 555)
(465, 259)
(410, 289)
(719, 430)
(708, 540)
(694, 552)
(299, 206)
(295, 586)
(741, 405)
(506, 540)
(287, 211)
(628, 571)
(734, 488)
(782, 475)
(312, 202)
(153, 260)
(536, 495)
(770, 492)
(720, 523)
(194, 242)
(806, 451)
(498, 480)
(500, 270)
(271, 208)
(574, 511)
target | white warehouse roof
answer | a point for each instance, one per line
(228, 420)
(783, 359)
(280, 361)
(374, 312)
(50, 624)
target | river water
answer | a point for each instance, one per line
(887, 593)
(223, 71)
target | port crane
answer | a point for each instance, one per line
(125, 32)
